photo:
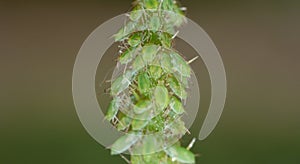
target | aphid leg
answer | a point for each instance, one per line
(117, 120)
(187, 130)
(106, 77)
(159, 8)
(191, 144)
(126, 130)
(125, 158)
(125, 68)
(195, 58)
(107, 90)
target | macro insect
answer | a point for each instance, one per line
(148, 96)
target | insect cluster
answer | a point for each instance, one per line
(149, 94)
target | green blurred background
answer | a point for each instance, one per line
(260, 45)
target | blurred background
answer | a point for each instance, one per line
(258, 41)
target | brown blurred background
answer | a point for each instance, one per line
(259, 44)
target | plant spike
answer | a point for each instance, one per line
(148, 97)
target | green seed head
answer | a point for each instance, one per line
(148, 96)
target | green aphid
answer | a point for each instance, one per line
(139, 124)
(141, 106)
(138, 63)
(134, 40)
(165, 62)
(154, 23)
(157, 123)
(177, 127)
(169, 28)
(144, 83)
(147, 115)
(120, 36)
(136, 14)
(167, 5)
(176, 87)
(149, 53)
(136, 159)
(176, 105)
(123, 32)
(155, 72)
(124, 143)
(121, 83)
(180, 154)
(180, 65)
(165, 40)
(112, 110)
(124, 123)
(150, 144)
(127, 56)
(183, 80)
(150, 4)
(161, 96)
(176, 18)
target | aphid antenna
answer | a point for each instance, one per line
(106, 77)
(192, 60)
(103, 119)
(197, 155)
(107, 90)
(183, 8)
(127, 15)
(143, 9)
(184, 102)
(125, 68)
(175, 34)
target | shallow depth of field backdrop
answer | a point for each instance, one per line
(259, 43)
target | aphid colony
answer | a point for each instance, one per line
(149, 94)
